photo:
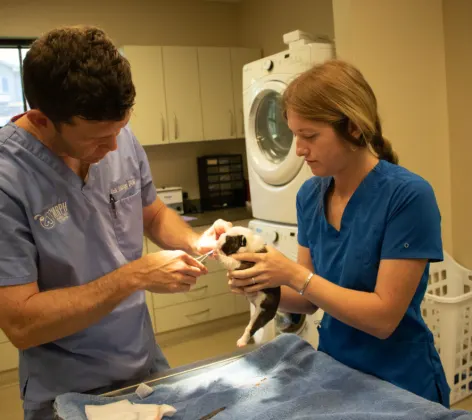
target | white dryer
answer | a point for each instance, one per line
(275, 171)
(284, 238)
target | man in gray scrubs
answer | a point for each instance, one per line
(76, 196)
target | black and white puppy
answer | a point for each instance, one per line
(238, 240)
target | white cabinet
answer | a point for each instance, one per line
(186, 94)
(221, 87)
(208, 300)
(149, 117)
(184, 106)
(8, 354)
(149, 302)
(217, 93)
(240, 57)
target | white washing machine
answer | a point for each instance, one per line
(275, 172)
(284, 238)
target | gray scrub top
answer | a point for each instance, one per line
(59, 231)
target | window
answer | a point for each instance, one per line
(12, 100)
(4, 85)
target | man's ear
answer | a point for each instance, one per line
(38, 119)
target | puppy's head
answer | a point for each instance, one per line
(237, 240)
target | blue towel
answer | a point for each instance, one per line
(284, 379)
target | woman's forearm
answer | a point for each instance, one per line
(362, 310)
(292, 302)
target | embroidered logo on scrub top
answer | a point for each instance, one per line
(124, 187)
(56, 214)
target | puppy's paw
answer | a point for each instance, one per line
(243, 340)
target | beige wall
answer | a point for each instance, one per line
(399, 46)
(141, 22)
(144, 22)
(176, 164)
(458, 39)
(263, 22)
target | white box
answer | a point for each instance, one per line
(172, 197)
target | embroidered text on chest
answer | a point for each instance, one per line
(56, 214)
(124, 187)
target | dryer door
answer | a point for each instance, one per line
(269, 142)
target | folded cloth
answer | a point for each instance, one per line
(124, 410)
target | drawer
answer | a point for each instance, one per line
(3, 337)
(241, 304)
(192, 313)
(209, 285)
(8, 357)
(151, 247)
(212, 265)
(150, 306)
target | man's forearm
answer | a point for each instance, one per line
(169, 231)
(51, 315)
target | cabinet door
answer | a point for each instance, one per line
(217, 93)
(149, 118)
(240, 57)
(182, 85)
(148, 295)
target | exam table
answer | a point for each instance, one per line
(283, 379)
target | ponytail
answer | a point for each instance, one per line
(382, 147)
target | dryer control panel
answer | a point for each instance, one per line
(282, 237)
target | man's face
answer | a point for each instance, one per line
(87, 141)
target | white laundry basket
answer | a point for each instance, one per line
(447, 310)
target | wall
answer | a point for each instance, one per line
(141, 22)
(263, 22)
(399, 46)
(458, 40)
(176, 164)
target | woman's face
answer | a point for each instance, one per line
(324, 151)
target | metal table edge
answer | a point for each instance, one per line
(214, 362)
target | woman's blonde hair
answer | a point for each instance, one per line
(336, 93)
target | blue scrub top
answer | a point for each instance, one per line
(62, 232)
(393, 214)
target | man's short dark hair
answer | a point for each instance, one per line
(78, 72)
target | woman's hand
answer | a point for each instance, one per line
(271, 269)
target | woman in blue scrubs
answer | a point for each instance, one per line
(367, 231)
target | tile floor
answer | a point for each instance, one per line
(203, 344)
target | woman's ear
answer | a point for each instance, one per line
(353, 130)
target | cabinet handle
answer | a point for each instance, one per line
(197, 289)
(198, 313)
(176, 135)
(163, 128)
(242, 122)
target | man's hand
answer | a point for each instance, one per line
(207, 241)
(169, 272)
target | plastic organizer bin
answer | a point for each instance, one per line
(447, 310)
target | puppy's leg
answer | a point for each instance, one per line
(256, 301)
(268, 310)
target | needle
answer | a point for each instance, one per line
(204, 256)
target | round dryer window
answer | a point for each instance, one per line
(272, 133)
(269, 141)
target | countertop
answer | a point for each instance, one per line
(229, 214)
